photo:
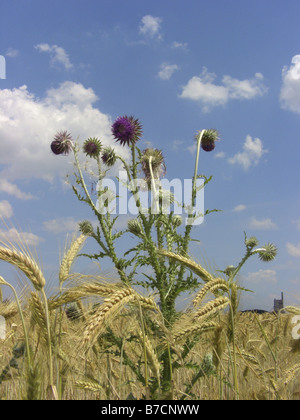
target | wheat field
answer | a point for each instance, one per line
(98, 339)
(268, 358)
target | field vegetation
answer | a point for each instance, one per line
(125, 338)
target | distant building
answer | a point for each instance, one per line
(278, 303)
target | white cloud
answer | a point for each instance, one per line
(6, 210)
(20, 238)
(57, 54)
(203, 89)
(151, 26)
(264, 224)
(240, 207)
(28, 124)
(179, 45)
(290, 90)
(60, 225)
(262, 276)
(220, 155)
(12, 53)
(167, 71)
(245, 89)
(252, 152)
(12, 189)
(293, 250)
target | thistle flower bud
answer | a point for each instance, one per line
(62, 143)
(155, 159)
(251, 242)
(229, 270)
(86, 228)
(108, 156)
(135, 227)
(127, 130)
(92, 147)
(267, 253)
(176, 220)
(208, 140)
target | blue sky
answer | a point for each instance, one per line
(178, 66)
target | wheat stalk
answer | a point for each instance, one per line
(26, 264)
(69, 257)
(211, 286)
(192, 265)
(109, 307)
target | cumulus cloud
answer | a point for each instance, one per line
(151, 26)
(250, 156)
(167, 70)
(16, 237)
(6, 210)
(57, 55)
(179, 45)
(262, 276)
(28, 124)
(293, 249)
(290, 90)
(60, 225)
(12, 52)
(12, 189)
(240, 207)
(203, 89)
(263, 224)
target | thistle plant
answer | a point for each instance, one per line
(159, 261)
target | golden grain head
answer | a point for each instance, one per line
(26, 264)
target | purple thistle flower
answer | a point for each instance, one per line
(127, 130)
(62, 143)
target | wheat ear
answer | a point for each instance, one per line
(151, 355)
(291, 373)
(193, 329)
(39, 316)
(292, 310)
(211, 286)
(109, 307)
(212, 307)
(26, 264)
(69, 257)
(192, 265)
(81, 291)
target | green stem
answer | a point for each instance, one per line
(49, 338)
